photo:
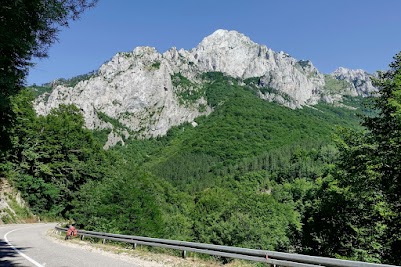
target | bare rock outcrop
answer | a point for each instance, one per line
(134, 89)
(236, 55)
(143, 92)
(360, 81)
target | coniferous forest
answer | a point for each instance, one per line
(322, 180)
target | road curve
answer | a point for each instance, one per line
(27, 245)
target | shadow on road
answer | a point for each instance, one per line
(7, 253)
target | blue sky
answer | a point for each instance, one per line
(331, 33)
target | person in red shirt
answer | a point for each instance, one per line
(72, 231)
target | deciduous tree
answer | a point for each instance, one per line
(358, 210)
(27, 29)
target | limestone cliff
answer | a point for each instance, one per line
(236, 55)
(359, 80)
(135, 89)
(145, 93)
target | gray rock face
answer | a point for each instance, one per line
(360, 81)
(134, 88)
(143, 91)
(236, 55)
(8, 195)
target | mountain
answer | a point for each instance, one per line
(244, 166)
(144, 93)
(359, 80)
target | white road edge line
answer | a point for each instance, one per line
(37, 264)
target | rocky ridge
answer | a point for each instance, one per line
(359, 80)
(145, 93)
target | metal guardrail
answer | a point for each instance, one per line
(266, 256)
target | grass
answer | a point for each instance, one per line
(20, 211)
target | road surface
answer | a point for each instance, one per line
(28, 245)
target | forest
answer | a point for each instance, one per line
(319, 181)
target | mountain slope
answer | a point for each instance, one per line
(241, 128)
(144, 93)
(244, 176)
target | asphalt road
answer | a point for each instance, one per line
(27, 245)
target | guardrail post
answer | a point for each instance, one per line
(278, 258)
(103, 241)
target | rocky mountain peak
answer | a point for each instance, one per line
(230, 52)
(225, 39)
(359, 79)
(145, 93)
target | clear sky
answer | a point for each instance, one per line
(362, 34)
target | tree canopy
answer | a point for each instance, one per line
(52, 156)
(27, 29)
(357, 211)
(251, 174)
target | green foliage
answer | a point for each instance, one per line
(117, 125)
(269, 90)
(241, 127)
(357, 212)
(7, 216)
(40, 90)
(251, 174)
(245, 176)
(214, 81)
(202, 108)
(156, 65)
(120, 204)
(187, 91)
(72, 82)
(304, 63)
(28, 28)
(333, 85)
(20, 212)
(252, 81)
(101, 136)
(242, 212)
(179, 80)
(51, 156)
(133, 202)
(256, 85)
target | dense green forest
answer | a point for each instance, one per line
(252, 174)
(322, 180)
